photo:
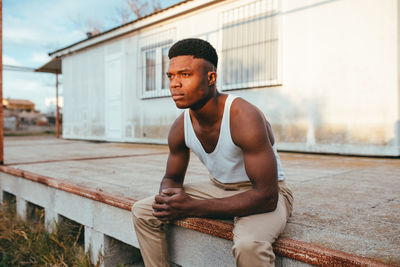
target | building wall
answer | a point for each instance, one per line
(346, 92)
(84, 95)
(338, 86)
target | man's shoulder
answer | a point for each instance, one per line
(176, 136)
(178, 125)
(248, 124)
(179, 121)
(242, 109)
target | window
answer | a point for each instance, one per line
(165, 65)
(150, 58)
(155, 66)
(250, 45)
(154, 63)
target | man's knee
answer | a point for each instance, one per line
(142, 208)
(142, 212)
(136, 209)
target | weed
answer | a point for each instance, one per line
(30, 244)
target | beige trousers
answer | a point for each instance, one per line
(253, 234)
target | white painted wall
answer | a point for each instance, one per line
(84, 95)
(339, 73)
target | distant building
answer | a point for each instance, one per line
(18, 105)
(20, 112)
(10, 123)
(325, 73)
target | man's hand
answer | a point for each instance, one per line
(172, 204)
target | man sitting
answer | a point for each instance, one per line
(235, 142)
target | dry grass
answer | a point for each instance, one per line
(29, 244)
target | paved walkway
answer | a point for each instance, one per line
(351, 204)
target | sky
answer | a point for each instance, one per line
(33, 28)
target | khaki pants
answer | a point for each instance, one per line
(253, 234)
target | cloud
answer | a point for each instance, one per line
(32, 86)
(25, 22)
(24, 83)
(18, 31)
(37, 32)
(20, 36)
(40, 57)
(51, 101)
(7, 60)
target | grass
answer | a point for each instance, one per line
(29, 244)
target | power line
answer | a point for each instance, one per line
(18, 68)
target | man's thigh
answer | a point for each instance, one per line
(207, 190)
(262, 227)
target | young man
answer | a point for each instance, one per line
(235, 142)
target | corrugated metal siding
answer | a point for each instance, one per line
(84, 95)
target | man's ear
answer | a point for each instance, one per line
(212, 78)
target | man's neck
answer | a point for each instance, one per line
(210, 113)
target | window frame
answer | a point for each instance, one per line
(159, 91)
(273, 8)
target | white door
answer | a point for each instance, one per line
(113, 81)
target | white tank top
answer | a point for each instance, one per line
(226, 162)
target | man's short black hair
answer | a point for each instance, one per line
(197, 48)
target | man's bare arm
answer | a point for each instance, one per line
(178, 157)
(249, 132)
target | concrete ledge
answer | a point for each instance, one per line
(85, 158)
(320, 256)
(285, 247)
(116, 201)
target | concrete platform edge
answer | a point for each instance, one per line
(285, 247)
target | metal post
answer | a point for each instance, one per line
(57, 110)
(1, 88)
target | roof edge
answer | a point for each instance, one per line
(51, 66)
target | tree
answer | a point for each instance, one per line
(130, 10)
(156, 5)
(89, 26)
(123, 15)
(137, 7)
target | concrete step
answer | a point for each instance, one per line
(109, 229)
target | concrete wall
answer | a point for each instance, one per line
(338, 65)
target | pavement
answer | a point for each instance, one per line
(350, 204)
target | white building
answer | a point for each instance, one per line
(325, 73)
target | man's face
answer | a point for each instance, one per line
(189, 81)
